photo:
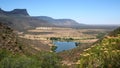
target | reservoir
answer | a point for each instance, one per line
(61, 46)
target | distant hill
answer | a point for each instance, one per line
(19, 19)
(61, 22)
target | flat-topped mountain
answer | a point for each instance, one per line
(20, 12)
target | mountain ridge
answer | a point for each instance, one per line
(19, 19)
(60, 22)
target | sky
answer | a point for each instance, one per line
(82, 11)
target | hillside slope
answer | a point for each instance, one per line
(103, 54)
(16, 54)
(22, 23)
(8, 39)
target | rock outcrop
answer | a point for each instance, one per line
(20, 12)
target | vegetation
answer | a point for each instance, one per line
(54, 48)
(115, 32)
(100, 35)
(16, 54)
(104, 54)
(61, 39)
(40, 60)
(77, 43)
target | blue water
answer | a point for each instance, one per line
(61, 46)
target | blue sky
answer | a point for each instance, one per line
(83, 11)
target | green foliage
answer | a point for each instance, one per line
(105, 54)
(100, 35)
(61, 39)
(8, 59)
(4, 53)
(49, 60)
(40, 60)
(19, 62)
(77, 43)
(54, 48)
(15, 54)
(115, 32)
(54, 38)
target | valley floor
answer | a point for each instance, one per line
(41, 40)
(45, 34)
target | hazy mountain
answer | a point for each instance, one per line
(67, 22)
(60, 22)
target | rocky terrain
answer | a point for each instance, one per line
(8, 39)
(17, 53)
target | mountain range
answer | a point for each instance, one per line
(19, 19)
(60, 22)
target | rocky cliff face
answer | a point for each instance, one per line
(20, 12)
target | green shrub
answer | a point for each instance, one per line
(105, 54)
(21, 62)
(54, 48)
(40, 60)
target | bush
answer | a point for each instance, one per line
(41, 60)
(105, 54)
(54, 48)
(21, 62)
(4, 53)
